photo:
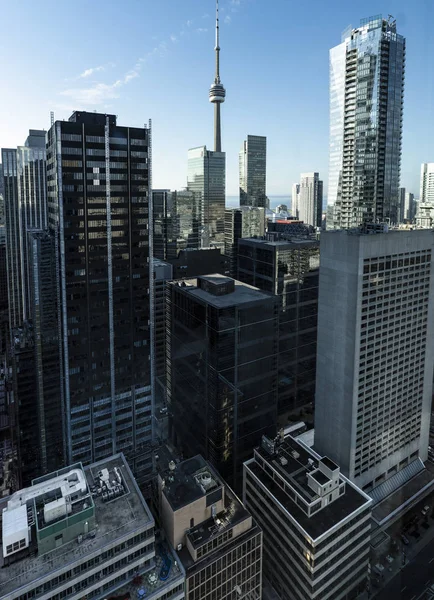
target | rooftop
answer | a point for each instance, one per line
(242, 294)
(281, 244)
(115, 518)
(293, 462)
(188, 481)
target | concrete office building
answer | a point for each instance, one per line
(98, 199)
(425, 215)
(218, 544)
(427, 183)
(221, 370)
(307, 199)
(375, 354)
(243, 222)
(315, 522)
(83, 532)
(289, 270)
(253, 172)
(366, 108)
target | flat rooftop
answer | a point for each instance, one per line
(242, 294)
(180, 484)
(294, 469)
(281, 244)
(115, 519)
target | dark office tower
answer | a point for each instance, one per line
(366, 107)
(243, 222)
(176, 222)
(36, 369)
(288, 269)
(193, 263)
(98, 199)
(207, 180)
(221, 370)
(253, 172)
(3, 272)
(2, 197)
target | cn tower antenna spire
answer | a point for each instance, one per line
(217, 92)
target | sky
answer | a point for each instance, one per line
(154, 59)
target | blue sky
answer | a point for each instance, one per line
(144, 59)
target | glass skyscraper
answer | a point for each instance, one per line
(366, 107)
(253, 171)
(207, 180)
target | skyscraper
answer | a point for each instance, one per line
(407, 206)
(427, 183)
(309, 199)
(253, 172)
(207, 181)
(243, 222)
(366, 107)
(295, 197)
(217, 92)
(221, 370)
(375, 353)
(98, 198)
(26, 208)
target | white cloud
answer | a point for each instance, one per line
(91, 71)
(201, 30)
(173, 38)
(95, 94)
(189, 23)
(228, 19)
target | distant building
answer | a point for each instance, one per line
(288, 269)
(316, 523)
(243, 222)
(84, 532)
(176, 222)
(218, 544)
(427, 183)
(295, 197)
(280, 208)
(221, 370)
(207, 180)
(309, 199)
(375, 354)
(407, 206)
(253, 172)
(366, 85)
(425, 215)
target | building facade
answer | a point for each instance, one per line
(207, 180)
(84, 532)
(315, 522)
(217, 542)
(375, 352)
(98, 197)
(176, 223)
(243, 222)
(309, 199)
(221, 370)
(253, 172)
(427, 183)
(366, 108)
(289, 270)
(407, 206)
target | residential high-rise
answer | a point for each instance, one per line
(295, 197)
(98, 197)
(84, 532)
(25, 208)
(375, 353)
(176, 222)
(316, 523)
(309, 199)
(427, 183)
(221, 370)
(253, 172)
(288, 269)
(243, 222)
(366, 108)
(217, 542)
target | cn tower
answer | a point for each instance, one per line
(217, 92)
